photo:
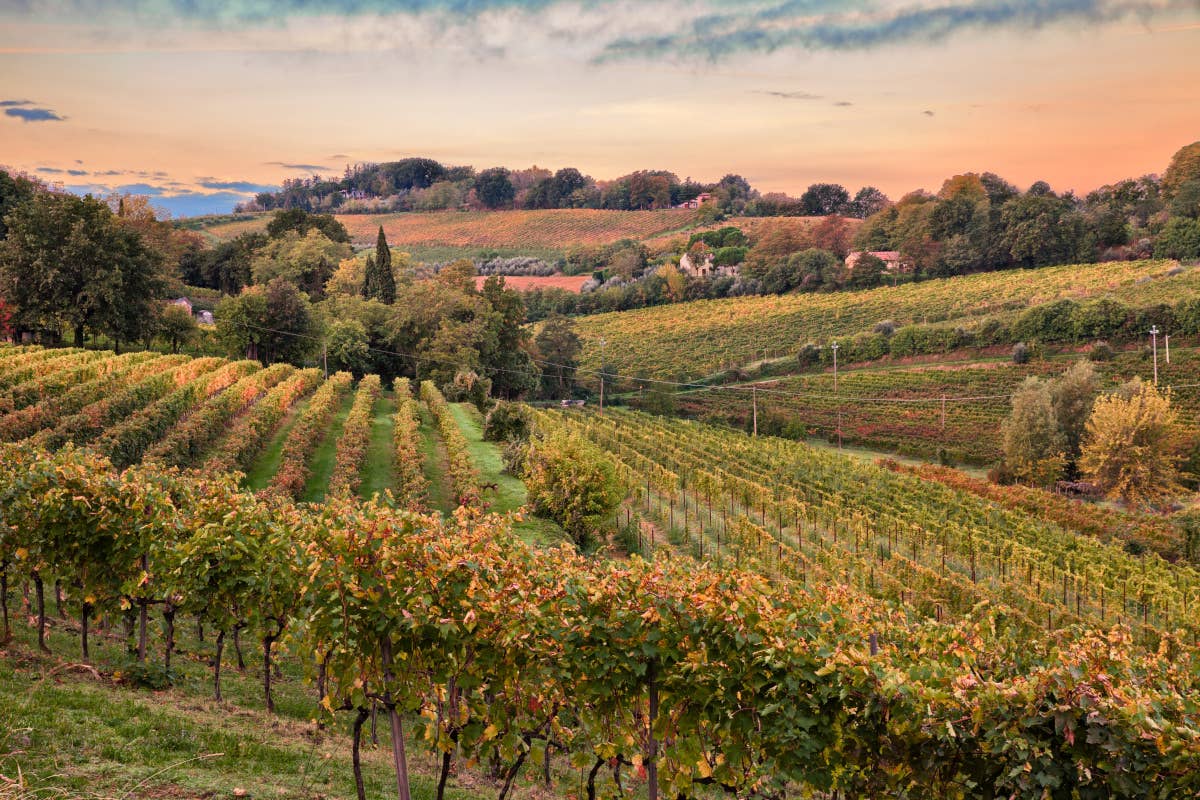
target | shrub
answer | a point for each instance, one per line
(1101, 351)
(1020, 353)
(507, 422)
(574, 483)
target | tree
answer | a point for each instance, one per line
(346, 347)
(14, 190)
(177, 326)
(270, 323)
(867, 202)
(1183, 169)
(299, 221)
(1033, 445)
(867, 271)
(505, 355)
(378, 281)
(558, 346)
(67, 261)
(822, 199)
(494, 187)
(573, 483)
(1180, 239)
(1127, 448)
(307, 260)
(1072, 396)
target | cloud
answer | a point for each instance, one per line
(843, 103)
(11, 103)
(301, 167)
(338, 156)
(807, 25)
(139, 188)
(238, 186)
(789, 95)
(49, 170)
(77, 172)
(34, 114)
(927, 113)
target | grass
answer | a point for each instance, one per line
(69, 734)
(433, 464)
(267, 463)
(510, 494)
(379, 467)
(324, 457)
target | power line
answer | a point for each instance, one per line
(694, 386)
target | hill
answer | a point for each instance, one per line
(696, 339)
(554, 229)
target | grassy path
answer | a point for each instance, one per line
(510, 493)
(267, 463)
(433, 466)
(71, 736)
(323, 458)
(379, 467)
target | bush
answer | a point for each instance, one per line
(1020, 353)
(574, 483)
(1101, 351)
(886, 327)
(507, 422)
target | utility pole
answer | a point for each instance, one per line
(602, 343)
(325, 358)
(754, 394)
(1154, 339)
(834, 347)
(1167, 340)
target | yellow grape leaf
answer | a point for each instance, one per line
(489, 732)
(703, 769)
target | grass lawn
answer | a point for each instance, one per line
(66, 733)
(510, 492)
(267, 463)
(433, 464)
(379, 467)
(324, 457)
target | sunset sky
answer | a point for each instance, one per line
(200, 103)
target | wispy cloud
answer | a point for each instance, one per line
(927, 113)
(12, 103)
(50, 170)
(789, 95)
(33, 114)
(301, 167)
(796, 24)
(238, 186)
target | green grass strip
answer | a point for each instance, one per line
(379, 467)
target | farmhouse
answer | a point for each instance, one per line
(706, 268)
(181, 301)
(704, 198)
(892, 259)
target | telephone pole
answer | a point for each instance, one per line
(1154, 339)
(834, 347)
(754, 394)
(602, 343)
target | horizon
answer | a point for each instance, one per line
(201, 104)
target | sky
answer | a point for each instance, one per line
(200, 103)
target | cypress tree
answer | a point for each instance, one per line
(369, 283)
(385, 282)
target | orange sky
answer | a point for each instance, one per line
(199, 110)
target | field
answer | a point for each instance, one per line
(901, 409)
(754, 227)
(524, 283)
(882, 631)
(692, 340)
(288, 430)
(554, 229)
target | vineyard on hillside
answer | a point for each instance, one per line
(555, 229)
(935, 548)
(691, 340)
(218, 416)
(955, 410)
(474, 647)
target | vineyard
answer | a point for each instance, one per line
(689, 674)
(930, 545)
(227, 416)
(952, 410)
(555, 229)
(691, 340)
